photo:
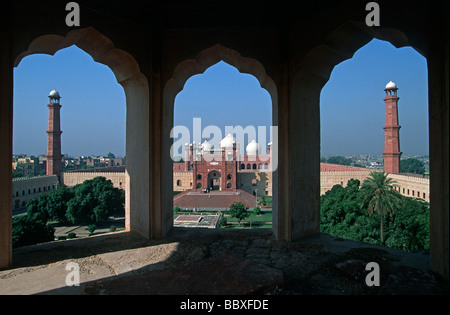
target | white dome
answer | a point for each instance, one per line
(227, 142)
(206, 146)
(54, 93)
(253, 148)
(391, 85)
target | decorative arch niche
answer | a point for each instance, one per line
(135, 85)
(197, 65)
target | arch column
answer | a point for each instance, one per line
(438, 81)
(174, 84)
(298, 174)
(6, 120)
(140, 203)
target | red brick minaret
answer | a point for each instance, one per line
(54, 135)
(391, 131)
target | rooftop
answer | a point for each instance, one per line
(205, 261)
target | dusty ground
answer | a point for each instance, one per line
(308, 266)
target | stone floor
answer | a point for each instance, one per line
(318, 265)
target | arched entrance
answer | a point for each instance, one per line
(181, 73)
(135, 85)
(214, 180)
(312, 72)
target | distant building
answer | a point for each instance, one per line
(115, 174)
(29, 165)
(224, 168)
(26, 188)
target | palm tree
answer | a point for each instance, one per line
(378, 195)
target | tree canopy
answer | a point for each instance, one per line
(412, 165)
(93, 201)
(378, 195)
(30, 229)
(89, 202)
(238, 210)
(339, 160)
(341, 215)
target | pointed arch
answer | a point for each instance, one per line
(209, 57)
(98, 46)
(197, 65)
(135, 84)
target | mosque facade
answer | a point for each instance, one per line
(224, 169)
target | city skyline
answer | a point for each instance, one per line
(351, 102)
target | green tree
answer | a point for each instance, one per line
(378, 195)
(31, 229)
(91, 228)
(410, 230)
(341, 214)
(339, 160)
(238, 210)
(51, 206)
(257, 210)
(57, 203)
(17, 174)
(37, 207)
(262, 200)
(93, 201)
(411, 165)
(223, 222)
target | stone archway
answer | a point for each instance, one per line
(128, 74)
(197, 65)
(311, 74)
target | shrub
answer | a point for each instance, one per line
(31, 229)
(91, 228)
(238, 210)
(257, 210)
(223, 222)
(176, 209)
(71, 235)
(112, 228)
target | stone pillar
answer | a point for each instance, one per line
(6, 114)
(438, 82)
(298, 172)
(194, 167)
(137, 173)
(391, 131)
(187, 161)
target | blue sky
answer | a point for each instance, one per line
(93, 103)
(352, 106)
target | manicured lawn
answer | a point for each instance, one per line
(264, 217)
(256, 221)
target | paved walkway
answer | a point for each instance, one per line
(213, 200)
(308, 266)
